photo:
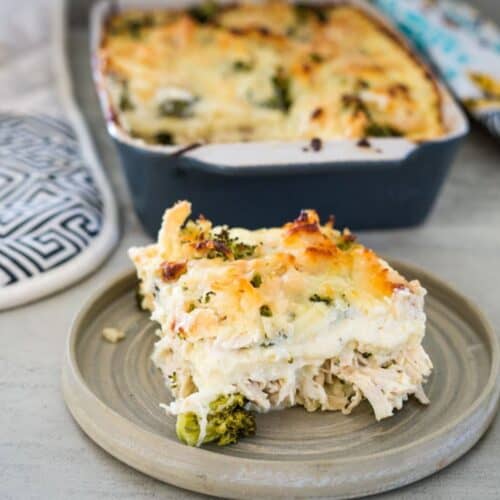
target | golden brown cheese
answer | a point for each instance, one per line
(297, 265)
(269, 71)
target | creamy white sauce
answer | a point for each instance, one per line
(215, 365)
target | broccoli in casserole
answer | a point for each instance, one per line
(259, 71)
(227, 421)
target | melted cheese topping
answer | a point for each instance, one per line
(280, 315)
(268, 71)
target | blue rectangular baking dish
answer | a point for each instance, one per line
(391, 182)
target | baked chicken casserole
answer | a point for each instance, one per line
(267, 319)
(263, 71)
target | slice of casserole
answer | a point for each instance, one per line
(272, 318)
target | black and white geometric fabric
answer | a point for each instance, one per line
(51, 210)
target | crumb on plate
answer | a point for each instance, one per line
(113, 335)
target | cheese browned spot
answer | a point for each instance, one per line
(171, 271)
(265, 71)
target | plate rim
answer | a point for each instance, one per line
(72, 379)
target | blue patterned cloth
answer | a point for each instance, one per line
(462, 45)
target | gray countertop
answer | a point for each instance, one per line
(43, 453)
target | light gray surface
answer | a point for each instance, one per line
(43, 454)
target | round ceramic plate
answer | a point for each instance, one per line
(114, 391)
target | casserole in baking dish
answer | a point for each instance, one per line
(263, 71)
(389, 180)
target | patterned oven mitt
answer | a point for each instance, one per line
(55, 226)
(463, 46)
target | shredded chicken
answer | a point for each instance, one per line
(340, 384)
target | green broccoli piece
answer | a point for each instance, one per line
(227, 421)
(256, 280)
(320, 298)
(374, 129)
(265, 311)
(177, 108)
(242, 66)
(281, 98)
(165, 138)
(225, 246)
(205, 12)
(125, 103)
(304, 12)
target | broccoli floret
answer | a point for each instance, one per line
(281, 98)
(374, 129)
(226, 246)
(205, 12)
(227, 421)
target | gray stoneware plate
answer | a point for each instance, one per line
(113, 392)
